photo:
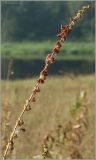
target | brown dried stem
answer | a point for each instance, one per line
(65, 29)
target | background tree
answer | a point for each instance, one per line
(37, 20)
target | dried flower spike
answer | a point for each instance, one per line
(65, 29)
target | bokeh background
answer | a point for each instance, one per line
(28, 33)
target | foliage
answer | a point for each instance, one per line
(52, 108)
(37, 50)
(30, 20)
(70, 134)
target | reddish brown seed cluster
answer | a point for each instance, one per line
(42, 77)
(57, 47)
(35, 90)
(64, 32)
(62, 36)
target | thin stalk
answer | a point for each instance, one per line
(65, 29)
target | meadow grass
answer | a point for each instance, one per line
(38, 50)
(51, 108)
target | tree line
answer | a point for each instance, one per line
(41, 20)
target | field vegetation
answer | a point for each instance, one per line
(51, 109)
(38, 50)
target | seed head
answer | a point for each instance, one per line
(33, 99)
(21, 122)
(28, 108)
(49, 58)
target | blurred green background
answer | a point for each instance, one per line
(28, 33)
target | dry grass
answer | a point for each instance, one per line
(51, 108)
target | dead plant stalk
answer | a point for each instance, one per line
(62, 36)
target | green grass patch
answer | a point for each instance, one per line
(39, 50)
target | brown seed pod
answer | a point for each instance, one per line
(11, 145)
(49, 58)
(62, 36)
(20, 122)
(15, 135)
(65, 28)
(57, 47)
(33, 99)
(28, 108)
(37, 89)
(41, 78)
(45, 72)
